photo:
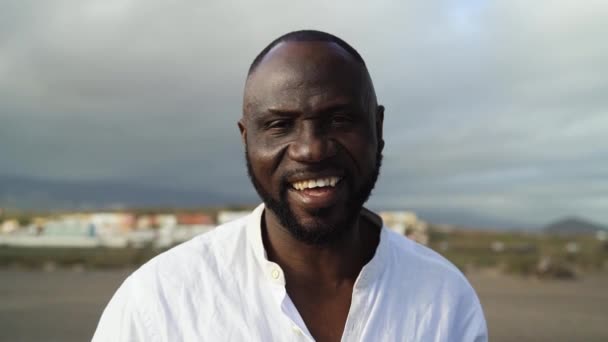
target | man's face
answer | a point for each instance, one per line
(312, 135)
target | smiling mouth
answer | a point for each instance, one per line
(317, 193)
(329, 182)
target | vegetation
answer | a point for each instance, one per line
(525, 254)
(70, 257)
(522, 253)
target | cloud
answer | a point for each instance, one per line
(498, 108)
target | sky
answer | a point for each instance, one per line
(496, 108)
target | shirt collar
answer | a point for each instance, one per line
(370, 272)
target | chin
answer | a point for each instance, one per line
(322, 227)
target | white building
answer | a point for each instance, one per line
(408, 224)
(225, 216)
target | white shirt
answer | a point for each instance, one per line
(220, 286)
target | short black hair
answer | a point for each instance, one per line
(306, 36)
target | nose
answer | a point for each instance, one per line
(311, 145)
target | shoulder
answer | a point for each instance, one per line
(410, 260)
(203, 256)
(438, 290)
(417, 253)
(149, 300)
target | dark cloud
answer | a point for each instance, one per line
(494, 108)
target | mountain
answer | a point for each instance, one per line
(469, 219)
(573, 226)
(459, 218)
(28, 193)
(40, 194)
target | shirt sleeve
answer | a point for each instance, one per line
(472, 324)
(123, 319)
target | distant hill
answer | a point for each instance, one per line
(573, 226)
(460, 218)
(27, 193)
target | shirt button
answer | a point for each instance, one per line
(275, 274)
(297, 329)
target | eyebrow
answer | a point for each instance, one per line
(337, 107)
(260, 118)
(283, 112)
(329, 108)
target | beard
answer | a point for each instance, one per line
(317, 233)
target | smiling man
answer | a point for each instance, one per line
(310, 263)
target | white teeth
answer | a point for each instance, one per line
(316, 183)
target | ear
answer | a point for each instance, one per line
(380, 126)
(243, 130)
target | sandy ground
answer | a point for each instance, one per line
(532, 310)
(65, 305)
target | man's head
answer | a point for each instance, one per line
(312, 131)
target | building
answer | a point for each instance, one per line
(408, 224)
(225, 216)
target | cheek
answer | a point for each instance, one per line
(264, 161)
(259, 161)
(362, 148)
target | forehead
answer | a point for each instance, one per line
(305, 74)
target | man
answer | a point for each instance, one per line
(310, 263)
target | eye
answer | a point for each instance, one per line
(341, 119)
(278, 124)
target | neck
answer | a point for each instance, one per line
(331, 264)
